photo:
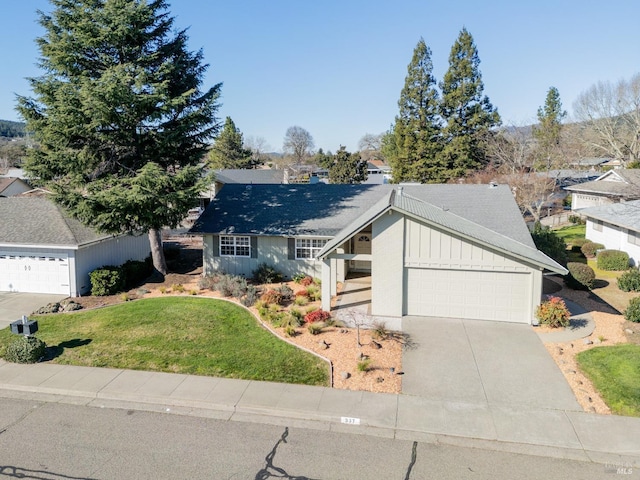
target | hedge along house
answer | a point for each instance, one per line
(42, 250)
(460, 251)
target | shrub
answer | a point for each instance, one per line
(553, 312)
(135, 271)
(317, 316)
(290, 331)
(285, 292)
(613, 260)
(630, 281)
(298, 315)
(298, 277)
(364, 365)
(271, 297)
(577, 243)
(177, 288)
(548, 242)
(306, 281)
(380, 330)
(589, 249)
(232, 286)
(266, 273)
(25, 350)
(580, 276)
(314, 293)
(315, 328)
(577, 220)
(107, 280)
(210, 281)
(163, 290)
(301, 300)
(193, 291)
(250, 296)
(290, 320)
(632, 313)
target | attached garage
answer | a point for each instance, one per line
(44, 251)
(484, 295)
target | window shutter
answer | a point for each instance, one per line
(291, 253)
(216, 246)
(254, 247)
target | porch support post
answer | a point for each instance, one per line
(334, 276)
(326, 284)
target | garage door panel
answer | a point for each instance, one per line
(501, 296)
(44, 273)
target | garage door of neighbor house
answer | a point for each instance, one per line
(45, 273)
(500, 296)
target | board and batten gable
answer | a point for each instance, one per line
(272, 250)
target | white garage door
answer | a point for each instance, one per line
(500, 296)
(44, 273)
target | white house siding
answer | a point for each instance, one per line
(448, 276)
(584, 200)
(16, 188)
(614, 238)
(35, 270)
(271, 250)
(111, 251)
(386, 265)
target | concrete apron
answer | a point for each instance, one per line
(13, 305)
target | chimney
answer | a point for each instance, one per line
(400, 191)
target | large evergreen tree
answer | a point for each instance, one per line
(347, 167)
(468, 113)
(120, 116)
(416, 132)
(548, 130)
(228, 150)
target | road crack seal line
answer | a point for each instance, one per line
(271, 471)
(414, 456)
(19, 419)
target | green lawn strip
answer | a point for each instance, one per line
(615, 372)
(571, 232)
(179, 335)
(604, 274)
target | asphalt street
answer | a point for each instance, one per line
(61, 441)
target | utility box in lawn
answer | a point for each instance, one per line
(24, 326)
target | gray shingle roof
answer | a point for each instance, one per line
(38, 221)
(625, 215)
(249, 176)
(628, 186)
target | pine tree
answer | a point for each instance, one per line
(416, 131)
(468, 113)
(228, 150)
(120, 116)
(347, 167)
(547, 133)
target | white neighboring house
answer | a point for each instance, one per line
(616, 226)
(10, 187)
(42, 250)
(615, 186)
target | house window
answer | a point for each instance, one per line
(308, 247)
(597, 225)
(633, 237)
(232, 246)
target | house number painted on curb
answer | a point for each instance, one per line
(350, 420)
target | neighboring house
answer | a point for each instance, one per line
(243, 176)
(593, 162)
(616, 226)
(10, 187)
(460, 251)
(42, 250)
(613, 186)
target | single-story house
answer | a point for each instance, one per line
(43, 250)
(616, 226)
(243, 176)
(621, 185)
(10, 187)
(460, 251)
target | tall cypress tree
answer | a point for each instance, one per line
(468, 113)
(228, 150)
(416, 131)
(549, 128)
(120, 116)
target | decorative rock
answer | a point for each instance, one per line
(392, 370)
(323, 345)
(597, 340)
(579, 382)
(345, 375)
(587, 341)
(560, 350)
(376, 345)
(571, 372)
(362, 356)
(379, 379)
(592, 409)
(629, 331)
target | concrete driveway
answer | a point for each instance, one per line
(483, 363)
(13, 305)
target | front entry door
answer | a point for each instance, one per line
(362, 244)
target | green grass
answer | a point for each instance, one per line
(179, 335)
(571, 232)
(615, 372)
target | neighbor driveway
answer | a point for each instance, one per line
(481, 362)
(13, 305)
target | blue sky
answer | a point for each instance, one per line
(336, 68)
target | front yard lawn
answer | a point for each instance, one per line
(179, 335)
(571, 232)
(615, 372)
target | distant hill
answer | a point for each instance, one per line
(11, 129)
